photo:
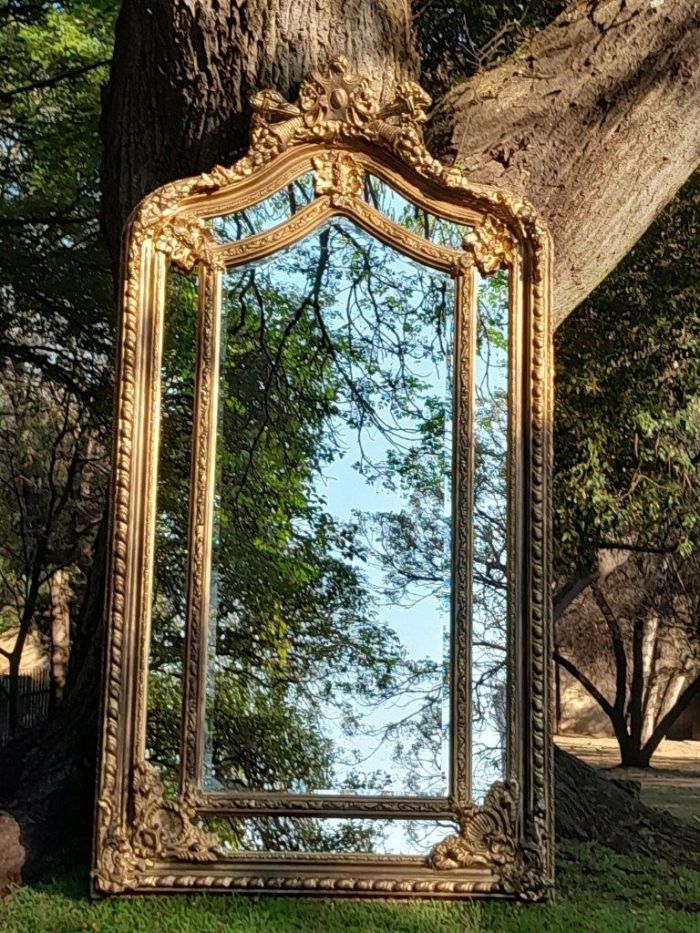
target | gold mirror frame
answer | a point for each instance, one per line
(147, 842)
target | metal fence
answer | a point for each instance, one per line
(33, 695)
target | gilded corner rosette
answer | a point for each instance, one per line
(487, 834)
(166, 828)
(488, 838)
(186, 240)
(160, 828)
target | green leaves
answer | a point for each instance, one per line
(627, 411)
(57, 293)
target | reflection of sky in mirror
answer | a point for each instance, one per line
(420, 618)
(267, 214)
(404, 212)
(308, 834)
(489, 595)
(391, 740)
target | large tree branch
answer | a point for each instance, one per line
(588, 685)
(607, 560)
(570, 591)
(41, 83)
(618, 644)
(596, 122)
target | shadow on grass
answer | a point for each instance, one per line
(597, 890)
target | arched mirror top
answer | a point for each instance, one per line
(338, 148)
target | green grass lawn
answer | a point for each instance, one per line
(597, 891)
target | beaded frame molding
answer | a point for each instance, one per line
(148, 841)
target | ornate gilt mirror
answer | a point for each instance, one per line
(327, 652)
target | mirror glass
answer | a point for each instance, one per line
(265, 214)
(490, 524)
(307, 834)
(331, 566)
(169, 594)
(329, 627)
(408, 215)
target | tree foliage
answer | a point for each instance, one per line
(628, 401)
(627, 483)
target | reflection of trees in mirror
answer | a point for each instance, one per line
(267, 214)
(329, 641)
(334, 400)
(296, 834)
(278, 208)
(489, 582)
(172, 502)
(308, 834)
(408, 215)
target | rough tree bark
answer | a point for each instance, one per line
(59, 589)
(596, 122)
(183, 71)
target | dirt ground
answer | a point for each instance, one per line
(672, 783)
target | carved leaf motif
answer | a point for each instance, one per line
(166, 828)
(490, 244)
(487, 835)
(187, 240)
(337, 175)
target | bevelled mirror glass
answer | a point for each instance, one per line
(327, 658)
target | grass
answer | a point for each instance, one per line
(597, 891)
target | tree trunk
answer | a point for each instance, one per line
(59, 588)
(596, 121)
(182, 73)
(634, 756)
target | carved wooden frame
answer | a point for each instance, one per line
(145, 841)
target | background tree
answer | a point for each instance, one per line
(56, 296)
(56, 330)
(627, 480)
(52, 474)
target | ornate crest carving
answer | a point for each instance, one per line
(337, 106)
(337, 175)
(333, 104)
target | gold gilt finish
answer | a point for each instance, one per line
(148, 841)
